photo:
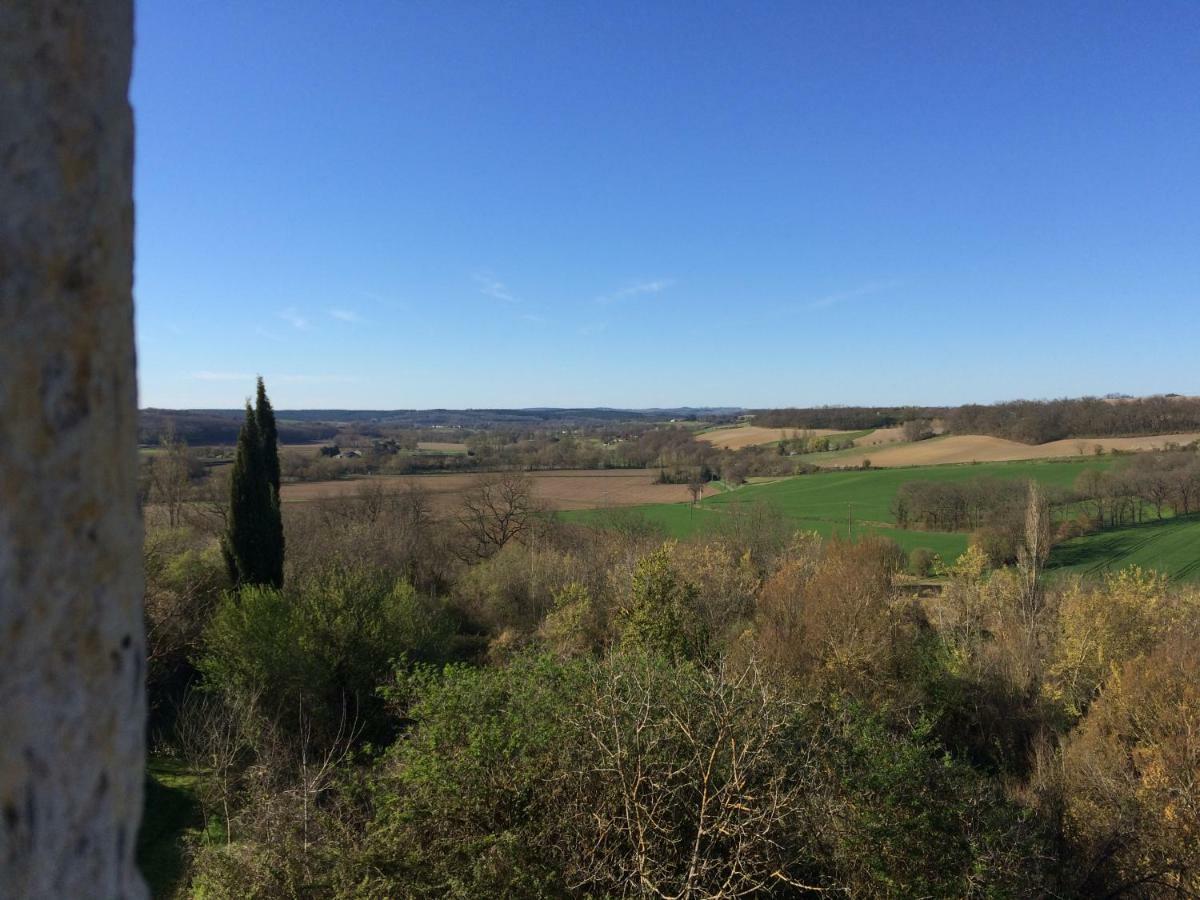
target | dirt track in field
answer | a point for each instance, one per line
(966, 448)
(753, 435)
(567, 489)
(442, 446)
(881, 436)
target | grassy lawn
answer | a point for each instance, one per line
(171, 812)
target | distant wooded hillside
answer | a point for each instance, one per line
(1029, 421)
(220, 426)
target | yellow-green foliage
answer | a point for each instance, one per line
(574, 626)
(1102, 626)
(1131, 772)
(658, 616)
(726, 582)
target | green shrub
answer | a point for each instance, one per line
(326, 644)
(660, 616)
(466, 804)
(923, 562)
(545, 778)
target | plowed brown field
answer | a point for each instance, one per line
(442, 446)
(753, 435)
(568, 489)
(881, 436)
(966, 448)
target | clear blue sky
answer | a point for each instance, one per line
(418, 204)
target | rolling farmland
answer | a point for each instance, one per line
(559, 489)
(825, 502)
(885, 447)
(753, 435)
(970, 448)
(1172, 546)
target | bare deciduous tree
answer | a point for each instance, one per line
(209, 511)
(495, 511)
(170, 475)
(214, 738)
(1031, 557)
(685, 791)
(316, 769)
(917, 430)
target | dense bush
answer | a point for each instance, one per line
(923, 562)
(324, 645)
(185, 579)
(1129, 791)
(633, 775)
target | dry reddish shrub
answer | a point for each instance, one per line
(1131, 777)
(831, 614)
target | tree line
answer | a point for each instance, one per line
(1150, 484)
(1027, 421)
(845, 418)
(1039, 421)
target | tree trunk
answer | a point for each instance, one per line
(71, 643)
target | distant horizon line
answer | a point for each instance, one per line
(684, 408)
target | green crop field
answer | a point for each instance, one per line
(681, 520)
(830, 496)
(1171, 546)
(825, 501)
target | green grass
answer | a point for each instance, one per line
(681, 520)
(1171, 546)
(171, 811)
(828, 496)
(823, 501)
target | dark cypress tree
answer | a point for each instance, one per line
(248, 498)
(268, 434)
(253, 546)
(268, 440)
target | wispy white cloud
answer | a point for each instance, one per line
(494, 288)
(270, 335)
(346, 315)
(533, 317)
(293, 317)
(863, 290)
(650, 286)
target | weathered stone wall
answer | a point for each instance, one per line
(71, 645)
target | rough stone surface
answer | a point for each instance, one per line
(72, 703)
